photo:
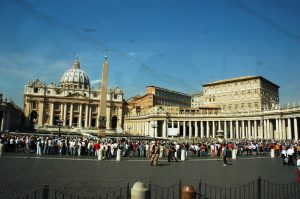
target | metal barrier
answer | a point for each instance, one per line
(167, 192)
(256, 189)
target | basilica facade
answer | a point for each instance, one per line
(71, 103)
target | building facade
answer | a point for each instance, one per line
(266, 120)
(73, 102)
(156, 96)
(242, 94)
(166, 97)
(11, 116)
(197, 100)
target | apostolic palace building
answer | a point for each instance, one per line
(71, 103)
(243, 107)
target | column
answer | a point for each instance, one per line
(289, 130)
(164, 134)
(213, 129)
(65, 114)
(265, 130)
(190, 129)
(243, 129)
(261, 129)
(284, 129)
(237, 129)
(90, 116)
(277, 131)
(249, 129)
(184, 129)
(172, 124)
(295, 129)
(80, 116)
(271, 129)
(196, 129)
(202, 129)
(40, 113)
(155, 129)
(255, 129)
(51, 114)
(225, 129)
(61, 111)
(280, 132)
(267, 134)
(3, 121)
(86, 119)
(71, 116)
(120, 115)
(231, 129)
(207, 129)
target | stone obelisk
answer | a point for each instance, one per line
(103, 97)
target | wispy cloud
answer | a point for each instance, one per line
(96, 81)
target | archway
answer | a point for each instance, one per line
(34, 119)
(114, 122)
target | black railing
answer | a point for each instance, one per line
(256, 189)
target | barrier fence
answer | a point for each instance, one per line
(256, 189)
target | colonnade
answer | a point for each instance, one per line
(87, 115)
(241, 128)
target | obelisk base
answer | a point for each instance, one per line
(101, 133)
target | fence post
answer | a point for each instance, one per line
(127, 191)
(45, 191)
(199, 190)
(149, 191)
(179, 189)
(259, 187)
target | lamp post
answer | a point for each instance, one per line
(148, 128)
(59, 124)
(167, 122)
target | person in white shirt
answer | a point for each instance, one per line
(290, 153)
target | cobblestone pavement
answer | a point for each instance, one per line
(20, 173)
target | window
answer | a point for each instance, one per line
(56, 107)
(34, 105)
(35, 90)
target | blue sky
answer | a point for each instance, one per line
(179, 45)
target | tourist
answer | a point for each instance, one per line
(224, 154)
(155, 149)
(290, 154)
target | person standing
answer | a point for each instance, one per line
(290, 153)
(224, 154)
(155, 154)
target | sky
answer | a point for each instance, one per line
(174, 44)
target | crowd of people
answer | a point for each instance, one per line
(90, 146)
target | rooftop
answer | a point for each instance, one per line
(236, 79)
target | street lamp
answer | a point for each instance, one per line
(59, 124)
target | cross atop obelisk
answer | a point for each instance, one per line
(103, 95)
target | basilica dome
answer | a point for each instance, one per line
(75, 77)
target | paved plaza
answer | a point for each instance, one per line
(20, 173)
